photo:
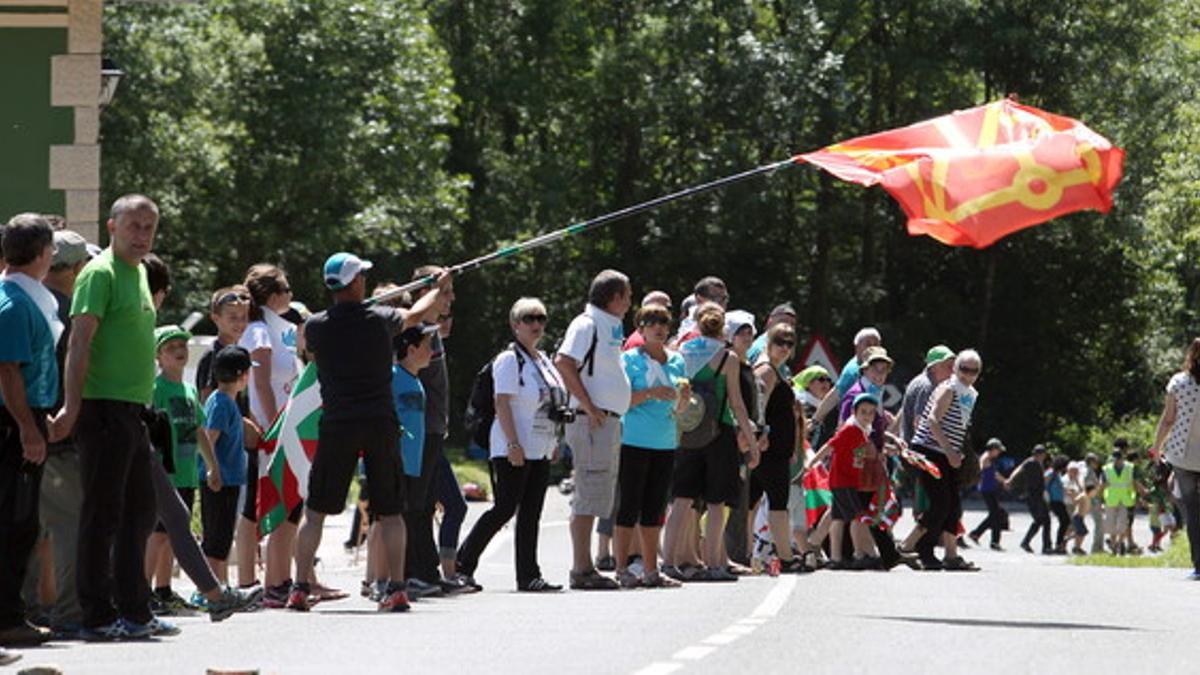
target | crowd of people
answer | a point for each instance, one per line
(697, 452)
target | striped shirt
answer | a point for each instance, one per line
(954, 423)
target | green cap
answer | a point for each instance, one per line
(164, 334)
(937, 354)
(806, 376)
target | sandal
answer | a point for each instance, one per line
(738, 569)
(628, 579)
(716, 574)
(655, 580)
(592, 580)
(794, 566)
(325, 593)
(689, 572)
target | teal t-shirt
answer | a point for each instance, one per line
(408, 395)
(181, 402)
(651, 425)
(222, 414)
(121, 365)
(26, 339)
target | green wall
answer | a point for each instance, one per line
(28, 125)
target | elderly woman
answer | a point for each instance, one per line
(940, 436)
(1177, 429)
(772, 475)
(649, 437)
(524, 438)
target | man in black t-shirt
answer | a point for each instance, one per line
(351, 343)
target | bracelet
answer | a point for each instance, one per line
(514, 444)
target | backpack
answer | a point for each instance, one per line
(700, 423)
(481, 406)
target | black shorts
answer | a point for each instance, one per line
(709, 473)
(336, 460)
(218, 514)
(771, 478)
(642, 481)
(188, 495)
(250, 507)
(849, 503)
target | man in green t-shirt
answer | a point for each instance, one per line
(109, 380)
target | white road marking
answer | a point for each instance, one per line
(693, 653)
(766, 610)
(660, 668)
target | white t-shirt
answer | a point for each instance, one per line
(530, 394)
(608, 385)
(1180, 452)
(278, 335)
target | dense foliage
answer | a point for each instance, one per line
(434, 131)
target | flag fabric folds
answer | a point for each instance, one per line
(286, 452)
(974, 176)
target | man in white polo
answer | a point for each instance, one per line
(590, 362)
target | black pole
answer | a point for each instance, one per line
(550, 237)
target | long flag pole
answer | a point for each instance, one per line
(578, 228)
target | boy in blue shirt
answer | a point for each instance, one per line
(414, 350)
(223, 426)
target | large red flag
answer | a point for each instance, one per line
(974, 176)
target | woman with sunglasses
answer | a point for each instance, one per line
(524, 439)
(771, 476)
(648, 442)
(940, 436)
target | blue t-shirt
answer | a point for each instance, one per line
(221, 413)
(408, 395)
(651, 425)
(848, 377)
(26, 339)
(1054, 487)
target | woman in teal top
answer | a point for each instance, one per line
(648, 442)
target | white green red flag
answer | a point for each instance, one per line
(286, 451)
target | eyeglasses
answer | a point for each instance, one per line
(784, 343)
(284, 289)
(968, 370)
(534, 318)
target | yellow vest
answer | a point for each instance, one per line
(1118, 487)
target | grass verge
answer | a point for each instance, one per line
(1176, 555)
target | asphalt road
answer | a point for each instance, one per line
(1022, 613)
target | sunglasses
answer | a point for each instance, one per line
(534, 318)
(824, 379)
(284, 289)
(655, 321)
(233, 297)
(784, 343)
(968, 370)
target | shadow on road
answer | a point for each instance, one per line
(997, 623)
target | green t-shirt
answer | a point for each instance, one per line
(181, 402)
(121, 365)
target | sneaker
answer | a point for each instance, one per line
(566, 486)
(962, 543)
(996, 547)
(158, 605)
(366, 588)
(396, 600)
(975, 538)
(539, 585)
(198, 601)
(627, 579)
(1026, 547)
(378, 590)
(174, 604)
(1194, 576)
(24, 633)
(606, 563)
(276, 597)
(118, 630)
(162, 628)
(637, 567)
(418, 589)
(454, 586)
(297, 599)
(222, 608)
(468, 581)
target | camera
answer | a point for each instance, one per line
(561, 414)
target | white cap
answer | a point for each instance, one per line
(735, 319)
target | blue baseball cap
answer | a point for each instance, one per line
(865, 398)
(341, 269)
